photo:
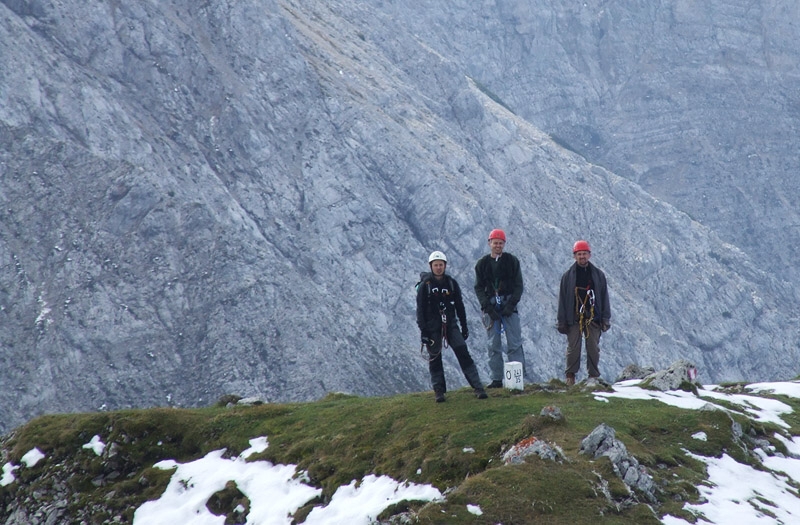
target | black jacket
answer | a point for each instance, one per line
(432, 296)
(503, 276)
(566, 296)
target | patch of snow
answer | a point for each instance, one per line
(96, 445)
(8, 474)
(32, 457)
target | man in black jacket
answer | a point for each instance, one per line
(584, 311)
(439, 302)
(498, 285)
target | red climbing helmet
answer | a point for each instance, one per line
(581, 246)
(497, 234)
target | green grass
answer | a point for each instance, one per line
(456, 446)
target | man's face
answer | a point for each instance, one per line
(582, 258)
(437, 267)
(497, 245)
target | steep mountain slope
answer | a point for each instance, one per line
(209, 199)
(696, 102)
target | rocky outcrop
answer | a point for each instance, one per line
(533, 446)
(634, 371)
(602, 442)
(680, 374)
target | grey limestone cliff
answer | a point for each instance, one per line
(208, 198)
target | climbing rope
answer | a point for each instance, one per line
(426, 354)
(425, 349)
(443, 312)
(499, 324)
(584, 305)
(584, 308)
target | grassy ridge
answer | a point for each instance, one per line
(456, 446)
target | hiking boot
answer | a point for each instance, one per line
(570, 379)
(495, 384)
(440, 397)
(480, 393)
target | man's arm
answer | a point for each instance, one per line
(480, 286)
(421, 306)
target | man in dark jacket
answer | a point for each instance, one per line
(498, 285)
(584, 311)
(439, 302)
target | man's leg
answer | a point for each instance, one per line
(436, 370)
(574, 338)
(468, 367)
(494, 349)
(593, 350)
(514, 340)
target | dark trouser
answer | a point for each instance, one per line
(436, 368)
(574, 338)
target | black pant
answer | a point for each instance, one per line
(459, 346)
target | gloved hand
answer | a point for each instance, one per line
(464, 332)
(427, 341)
(508, 309)
(605, 325)
(562, 329)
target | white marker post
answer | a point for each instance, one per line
(512, 379)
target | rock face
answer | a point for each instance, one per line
(695, 103)
(202, 199)
(679, 373)
(602, 442)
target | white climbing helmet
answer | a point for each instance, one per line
(437, 256)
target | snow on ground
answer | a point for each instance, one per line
(733, 493)
(275, 493)
(96, 445)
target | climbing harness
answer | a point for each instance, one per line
(585, 309)
(443, 293)
(499, 325)
(443, 312)
(434, 355)
(426, 354)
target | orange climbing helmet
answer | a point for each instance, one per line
(581, 246)
(497, 234)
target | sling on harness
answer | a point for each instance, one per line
(442, 293)
(584, 309)
(499, 324)
(443, 312)
(431, 355)
(581, 305)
